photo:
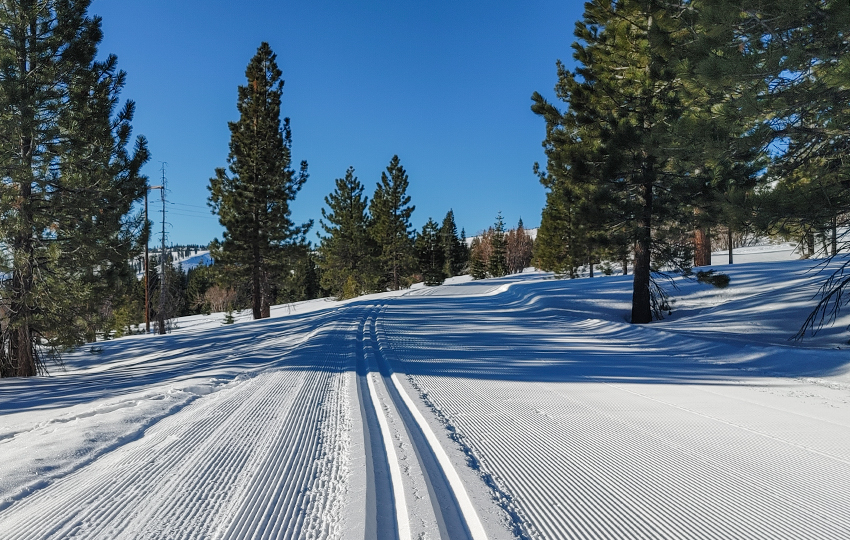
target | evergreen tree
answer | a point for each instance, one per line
(199, 280)
(431, 254)
(518, 249)
(553, 249)
(454, 253)
(391, 211)
(477, 266)
(578, 220)
(303, 281)
(68, 181)
(252, 202)
(497, 264)
(618, 136)
(129, 309)
(348, 252)
(464, 250)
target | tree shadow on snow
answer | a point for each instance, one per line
(524, 336)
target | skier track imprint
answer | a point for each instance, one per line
(381, 511)
(456, 517)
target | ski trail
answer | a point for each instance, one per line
(457, 518)
(386, 510)
(266, 458)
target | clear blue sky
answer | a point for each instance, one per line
(445, 85)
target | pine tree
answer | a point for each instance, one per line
(348, 251)
(618, 136)
(477, 266)
(518, 249)
(68, 181)
(391, 211)
(497, 264)
(464, 250)
(252, 202)
(431, 254)
(454, 253)
(303, 281)
(553, 251)
(199, 280)
(578, 220)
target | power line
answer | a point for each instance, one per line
(190, 205)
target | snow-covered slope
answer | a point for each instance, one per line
(516, 407)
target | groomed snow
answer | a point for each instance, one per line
(560, 418)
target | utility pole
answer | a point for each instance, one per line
(147, 257)
(161, 314)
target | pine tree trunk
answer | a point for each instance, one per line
(641, 301)
(729, 237)
(625, 266)
(21, 351)
(266, 296)
(256, 291)
(702, 247)
(21, 347)
(834, 236)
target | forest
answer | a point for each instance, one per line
(683, 125)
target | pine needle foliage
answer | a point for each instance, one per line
(497, 262)
(347, 251)
(68, 181)
(431, 254)
(391, 210)
(454, 251)
(252, 201)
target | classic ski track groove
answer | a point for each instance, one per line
(220, 474)
(376, 407)
(474, 529)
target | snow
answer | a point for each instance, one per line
(548, 414)
(766, 252)
(198, 259)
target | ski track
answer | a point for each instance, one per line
(266, 458)
(418, 474)
(604, 460)
(580, 427)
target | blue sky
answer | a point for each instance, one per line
(445, 85)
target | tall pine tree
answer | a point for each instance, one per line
(431, 255)
(68, 179)
(391, 211)
(625, 99)
(454, 252)
(347, 252)
(497, 263)
(252, 202)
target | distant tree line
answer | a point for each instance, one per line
(497, 253)
(688, 118)
(370, 246)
